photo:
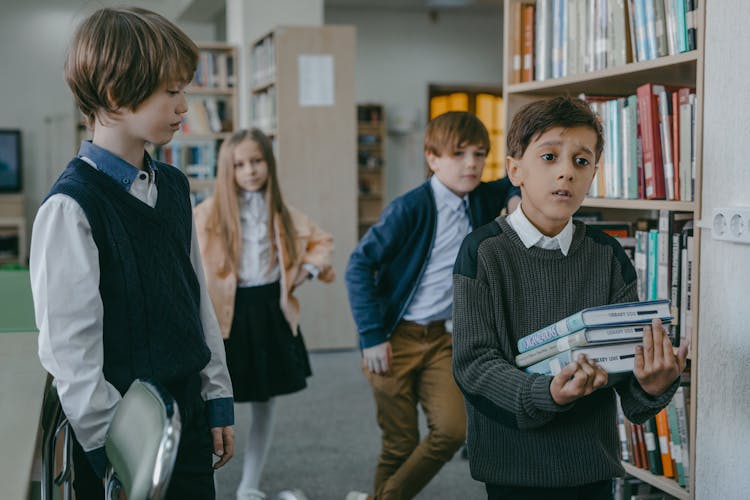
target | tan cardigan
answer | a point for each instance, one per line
(314, 246)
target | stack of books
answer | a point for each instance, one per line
(606, 334)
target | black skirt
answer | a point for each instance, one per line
(263, 356)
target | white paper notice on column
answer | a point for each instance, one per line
(316, 85)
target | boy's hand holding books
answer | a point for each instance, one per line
(577, 379)
(656, 365)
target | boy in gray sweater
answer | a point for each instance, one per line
(533, 436)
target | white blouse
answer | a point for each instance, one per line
(256, 250)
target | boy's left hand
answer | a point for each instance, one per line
(223, 438)
(656, 364)
(302, 276)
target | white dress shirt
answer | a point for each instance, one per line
(531, 236)
(64, 269)
(256, 255)
(433, 299)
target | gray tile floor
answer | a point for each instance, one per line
(326, 440)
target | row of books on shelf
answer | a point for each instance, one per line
(661, 444)
(649, 150)
(263, 109)
(263, 56)
(662, 253)
(632, 488)
(215, 70)
(557, 38)
(195, 160)
(207, 115)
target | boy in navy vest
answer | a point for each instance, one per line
(118, 286)
(401, 296)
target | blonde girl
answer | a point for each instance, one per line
(256, 251)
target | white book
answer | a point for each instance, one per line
(613, 358)
(585, 337)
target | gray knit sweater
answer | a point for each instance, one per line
(517, 435)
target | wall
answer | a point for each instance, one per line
(400, 52)
(724, 341)
(34, 97)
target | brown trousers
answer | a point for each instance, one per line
(420, 373)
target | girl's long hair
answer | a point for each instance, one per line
(224, 219)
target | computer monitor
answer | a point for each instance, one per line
(10, 160)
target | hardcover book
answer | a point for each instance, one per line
(585, 337)
(628, 313)
(614, 358)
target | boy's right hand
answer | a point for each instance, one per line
(378, 357)
(579, 378)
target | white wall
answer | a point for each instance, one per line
(724, 340)
(400, 52)
(34, 97)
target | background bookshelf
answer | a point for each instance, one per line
(487, 104)
(605, 51)
(370, 164)
(301, 88)
(212, 117)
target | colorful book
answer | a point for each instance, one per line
(613, 358)
(585, 337)
(628, 313)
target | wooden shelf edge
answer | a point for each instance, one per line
(674, 206)
(604, 74)
(664, 484)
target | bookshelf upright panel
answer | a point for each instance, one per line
(608, 65)
(302, 96)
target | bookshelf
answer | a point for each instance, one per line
(301, 88)
(609, 63)
(370, 164)
(212, 117)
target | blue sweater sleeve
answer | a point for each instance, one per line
(376, 248)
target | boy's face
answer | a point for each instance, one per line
(158, 117)
(554, 174)
(459, 169)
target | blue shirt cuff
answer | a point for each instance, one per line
(98, 460)
(220, 412)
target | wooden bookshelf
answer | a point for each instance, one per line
(211, 118)
(370, 164)
(301, 89)
(680, 70)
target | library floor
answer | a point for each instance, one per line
(326, 440)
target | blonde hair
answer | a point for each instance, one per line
(118, 57)
(224, 216)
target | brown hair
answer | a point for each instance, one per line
(224, 218)
(537, 117)
(455, 129)
(118, 57)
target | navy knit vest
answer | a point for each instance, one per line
(151, 296)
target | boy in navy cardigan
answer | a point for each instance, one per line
(400, 292)
(118, 286)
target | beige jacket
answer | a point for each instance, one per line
(314, 246)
